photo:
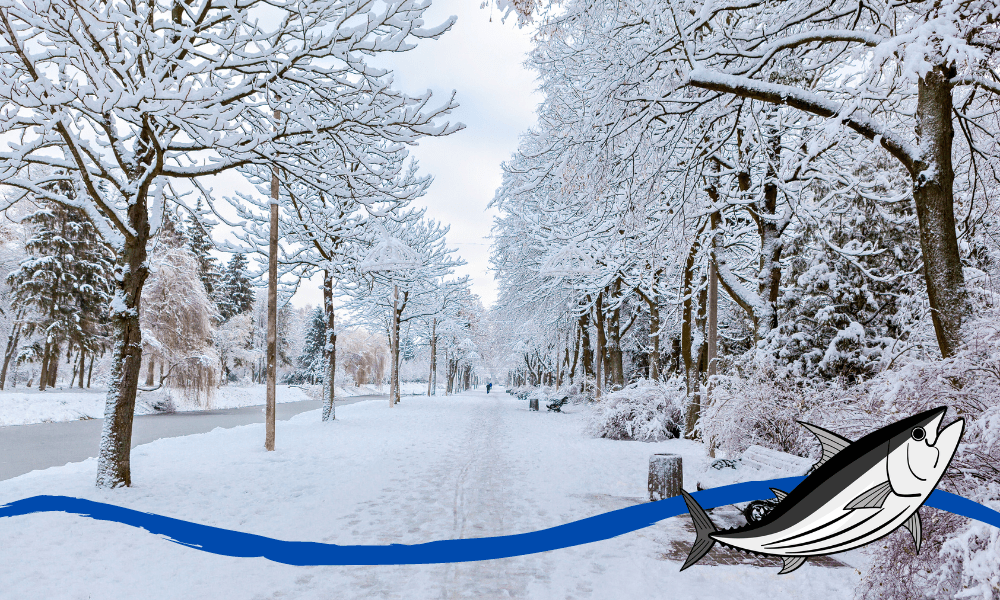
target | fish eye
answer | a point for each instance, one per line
(918, 433)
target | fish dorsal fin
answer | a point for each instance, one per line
(913, 525)
(780, 495)
(873, 498)
(791, 563)
(830, 441)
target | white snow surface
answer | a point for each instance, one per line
(23, 406)
(427, 469)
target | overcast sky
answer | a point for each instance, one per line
(480, 59)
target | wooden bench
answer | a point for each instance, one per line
(755, 464)
(556, 405)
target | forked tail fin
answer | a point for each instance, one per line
(703, 527)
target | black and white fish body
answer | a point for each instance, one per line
(857, 493)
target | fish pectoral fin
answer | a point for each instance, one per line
(913, 525)
(873, 498)
(791, 563)
(780, 495)
(828, 440)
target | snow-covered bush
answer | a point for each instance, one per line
(579, 393)
(760, 407)
(541, 394)
(647, 411)
(960, 557)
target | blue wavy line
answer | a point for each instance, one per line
(593, 529)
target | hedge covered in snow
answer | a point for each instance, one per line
(647, 411)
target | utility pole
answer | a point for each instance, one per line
(272, 308)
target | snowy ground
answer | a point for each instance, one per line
(23, 406)
(427, 469)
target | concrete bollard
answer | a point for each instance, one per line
(533, 404)
(665, 476)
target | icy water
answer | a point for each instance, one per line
(26, 448)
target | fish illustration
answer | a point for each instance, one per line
(857, 493)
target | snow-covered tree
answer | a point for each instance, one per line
(136, 103)
(237, 295)
(177, 317)
(901, 79)
(63, 288)
(402, 279)
(200, 235)
(311, 362)
(233, 341)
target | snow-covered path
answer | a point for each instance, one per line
(428, 469)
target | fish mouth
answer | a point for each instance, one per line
(933, 424)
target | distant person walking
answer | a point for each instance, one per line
(489, 386)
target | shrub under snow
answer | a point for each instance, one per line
(959, 558)
(647, 411)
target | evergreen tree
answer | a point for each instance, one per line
(172, 232)
(311, 360)
(237, 291)
(65, 284)
(200, 236)
(843, 318)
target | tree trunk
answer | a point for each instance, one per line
(431, 383)
(90, 371)
(713, 306)
(150, 377)
(576, 354)
(329, 351)
(433, 375)
(770, 231)
(687, 319)
(599, 376)
(616, 368)
(541, 365)
(83, 365)
(398, 325)
(450, 373)
(43, 379)
(696, 360)
(53, 364)
(587, 351)
(654, 335)
(113, 468)
(933, 182)
(602, 346)
(394, 348)
(76, 363)
(12, 341)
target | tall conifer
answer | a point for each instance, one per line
(237, 291)
(64, 285)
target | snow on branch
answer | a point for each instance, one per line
(809, 102)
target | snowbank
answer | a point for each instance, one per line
(428, 469)
(21, 406)
(407, 388)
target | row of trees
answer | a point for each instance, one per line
(123, 110)
(689, 150)
(784, 204)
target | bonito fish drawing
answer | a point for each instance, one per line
(857, 493)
